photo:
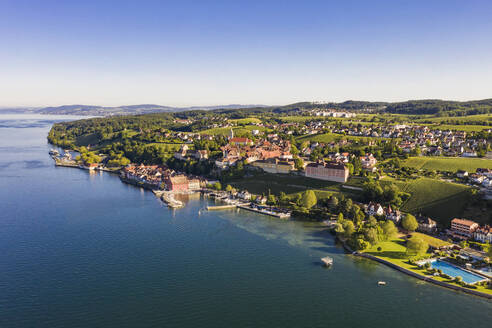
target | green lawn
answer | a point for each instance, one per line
(245, 130)
(287, 183)
(459, 119)
(462, 127)
(440, 200)
(451, 164)
(329, 137)
(434, 242)
(247, 120)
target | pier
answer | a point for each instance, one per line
(221, 207)
(265, 211)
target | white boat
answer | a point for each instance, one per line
(381, 283)
(327, 261)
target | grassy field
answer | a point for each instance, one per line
(170, 146)
(240, 131)
(329, 137)
(466, 128)
(300, 119)
(440, 200)
(433, 242)
(451, 120)
(451, 164)
(287, 183)
(247, 120)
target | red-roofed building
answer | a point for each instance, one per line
(328, 171)
(241, 141)
(463, 228)
(177, 183)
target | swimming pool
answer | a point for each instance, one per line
(454, 271)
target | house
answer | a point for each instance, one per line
(201, 154)
(332, 171)
(240, 141)
(483, 234)
(475, 178)
(374, 209)
(193, 184)
(275, 165)
(461, 228)
(462, 174)
(225, 162)
(244, 195)
(469, 154)
(393, 215)
(92, 166)
(427, 225)
(177, 183)
(368, 162)
(182, 153)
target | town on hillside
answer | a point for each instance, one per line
(377, 180)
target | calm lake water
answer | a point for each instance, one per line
(85, 250)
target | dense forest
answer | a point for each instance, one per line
(441, 107)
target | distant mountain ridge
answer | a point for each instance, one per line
(425, 106)
(93, 110)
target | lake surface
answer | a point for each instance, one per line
(85, 250)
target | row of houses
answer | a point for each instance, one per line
(425, 224)
(161, 177)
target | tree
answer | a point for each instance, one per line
(340, 216)
(333, 203)
(228, 188)
(349, 229)
(299, 163)
(217, 186)
(371, 235)
(271, 200)
(308, 199)
(416, 247)
(410, 223)
(361, 244)
(389, 229)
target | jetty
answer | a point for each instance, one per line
(282, 215)
(221, 207)
(168, 198)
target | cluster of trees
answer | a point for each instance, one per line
(441, 107)
(203, 168)
(363, 235)
(88, 157)
(389, 194)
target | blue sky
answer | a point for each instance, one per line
(250, 52)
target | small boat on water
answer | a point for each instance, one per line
(327, 261)
(381, 283)
(54, 152)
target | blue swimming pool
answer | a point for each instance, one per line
(455, 271)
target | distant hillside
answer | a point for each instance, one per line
(89, 110)
(434, 107)
(441, 107)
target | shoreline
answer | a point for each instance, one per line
(422, 277)
(394, 266)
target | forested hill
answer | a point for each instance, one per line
(441, 107)
(434, 107)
